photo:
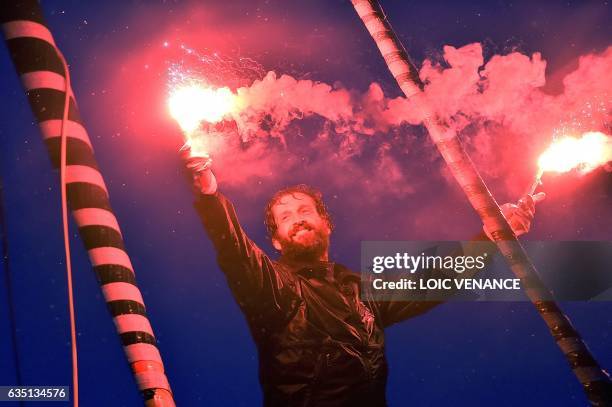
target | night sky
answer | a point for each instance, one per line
(472, 353)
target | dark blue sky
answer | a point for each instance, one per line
(472, 353)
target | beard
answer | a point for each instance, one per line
(310, 249)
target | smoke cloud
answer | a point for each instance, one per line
(498, 107)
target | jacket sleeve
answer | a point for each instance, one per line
(397, 308)
(249, 271)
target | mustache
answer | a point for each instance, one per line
(303, 225)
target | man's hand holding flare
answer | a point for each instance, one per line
(520, 215)
(204, 180)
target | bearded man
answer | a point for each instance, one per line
(320, 341)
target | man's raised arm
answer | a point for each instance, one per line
(248, 269)
(398, 309)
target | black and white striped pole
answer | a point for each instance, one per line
(42, 72)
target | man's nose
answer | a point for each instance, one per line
(299, 222)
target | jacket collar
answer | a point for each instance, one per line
(321, 269)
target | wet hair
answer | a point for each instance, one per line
(316, 196)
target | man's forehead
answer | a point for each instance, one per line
(290, 199)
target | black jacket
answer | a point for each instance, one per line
(319, 342)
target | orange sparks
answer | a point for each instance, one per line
(190, 105)
(588, 152)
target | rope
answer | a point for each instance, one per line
(66, 232)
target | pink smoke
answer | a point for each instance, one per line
(359, 143)
(499, 108)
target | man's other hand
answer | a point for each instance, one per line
(520, 215)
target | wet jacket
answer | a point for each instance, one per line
(320, 343)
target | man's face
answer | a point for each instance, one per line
(301, 232)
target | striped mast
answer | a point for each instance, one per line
(39, 65)
(595, 381)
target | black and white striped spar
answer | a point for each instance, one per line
(595, 381)
(41, 70)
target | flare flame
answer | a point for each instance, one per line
(190, 105)
(585, 153)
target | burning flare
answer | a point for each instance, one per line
(586, 153)
(190, 105)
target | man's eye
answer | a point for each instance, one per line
(284, 218)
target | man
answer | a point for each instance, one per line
(319, 342)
